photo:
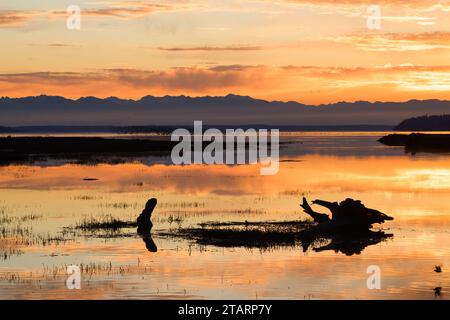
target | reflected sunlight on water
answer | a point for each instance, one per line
(413, 189)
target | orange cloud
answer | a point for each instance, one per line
(15, 18)
(209, 48)
(398, 41)
(309, 84)
(126, 9)
(132, 80)
(404, 3)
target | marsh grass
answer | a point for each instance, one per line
(4, 219)
(89, 270)
(182, 205)
(240, 238)
(106, 222)
(29, 217)
(294, 193)
(262, 235)
(17, 232)
(281, 226)
(175, 219)
(7, 251)
(247, 211)
(120, 205)
(12, 226)
(86, 197)
(7, 219)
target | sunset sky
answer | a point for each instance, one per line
(311, 51)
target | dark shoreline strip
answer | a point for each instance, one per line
(415, 142)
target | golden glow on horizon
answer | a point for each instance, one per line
(266, 49)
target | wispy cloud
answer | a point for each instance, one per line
(392, 3)
(212, 48)
(397, 41)
(184, 79)
(125, 9)
(121, 10)
(59, 45)
(16, 18)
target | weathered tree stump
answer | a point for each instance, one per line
(144, 223)
(346, 214)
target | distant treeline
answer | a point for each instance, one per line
(170, 129)
(7, 130)
(292, 128)
(425, 123)
(419, 142)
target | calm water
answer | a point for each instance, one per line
(38, 202)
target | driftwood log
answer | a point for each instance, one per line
(348, 228)
(349, 213)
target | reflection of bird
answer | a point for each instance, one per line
(437, 269)
(143, 221)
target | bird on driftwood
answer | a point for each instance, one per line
(143, 221)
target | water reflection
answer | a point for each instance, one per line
(149, 243)
(352, 244)
(415, 190)
(313, 174)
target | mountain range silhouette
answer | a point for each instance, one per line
(218, 110)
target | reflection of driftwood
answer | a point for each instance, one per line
(339, 241)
